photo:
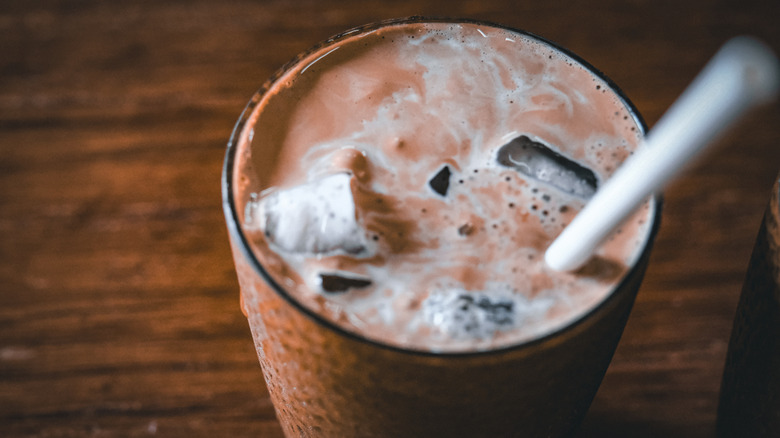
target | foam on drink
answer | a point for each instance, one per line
(411, 179)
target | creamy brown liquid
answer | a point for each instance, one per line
(391, 109)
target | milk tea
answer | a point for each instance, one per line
(389, 197)
(417, 176)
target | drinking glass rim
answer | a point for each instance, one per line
(239, 237)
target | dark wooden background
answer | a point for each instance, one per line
(118, 301)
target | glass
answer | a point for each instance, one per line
(327, 381)
(750, 391)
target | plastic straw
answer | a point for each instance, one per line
(744, 73)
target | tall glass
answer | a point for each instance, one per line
(327, 381)
(750, 391)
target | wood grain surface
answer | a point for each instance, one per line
(119, 307)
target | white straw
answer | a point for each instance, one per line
(743, 74)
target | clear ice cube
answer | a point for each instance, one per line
(316, 218)
(462, 314)
(538, 161)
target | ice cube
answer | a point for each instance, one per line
(441, 181)
(342, 282)
(316, 218)
(463, 314)
(542, 163)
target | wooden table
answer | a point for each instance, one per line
(118, 300)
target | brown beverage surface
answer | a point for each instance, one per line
(441, 260)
